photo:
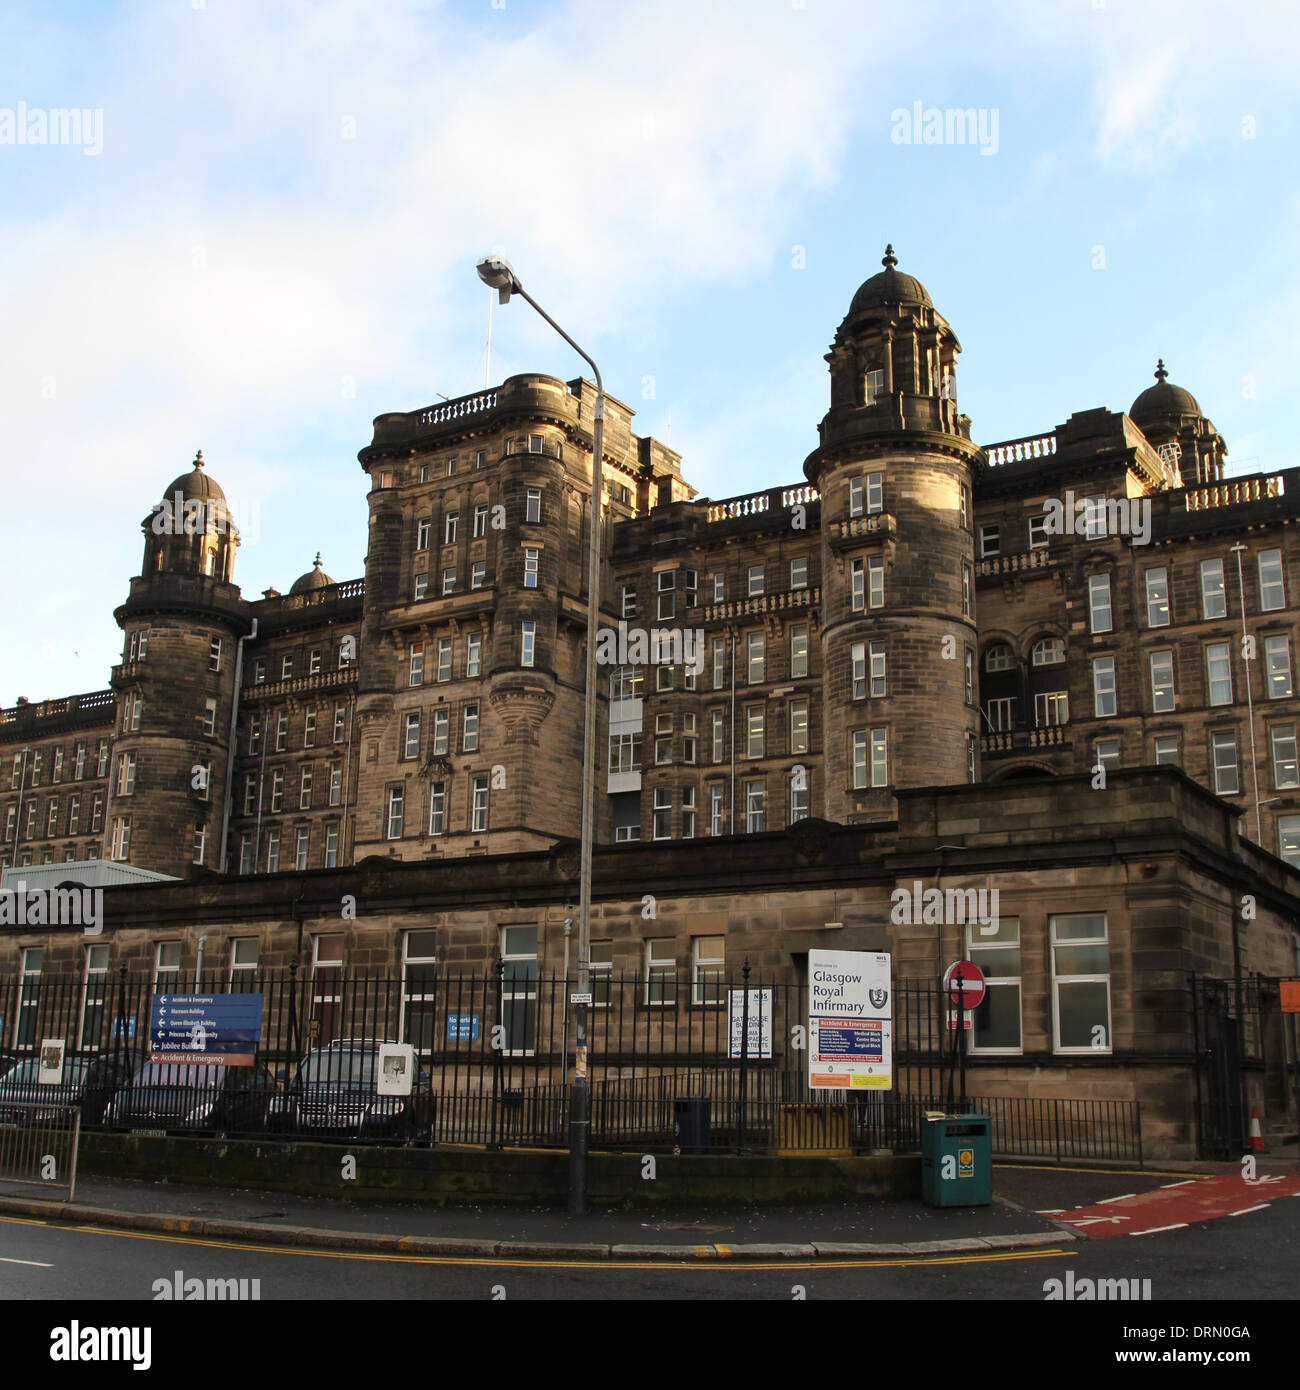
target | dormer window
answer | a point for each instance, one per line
(875, 385)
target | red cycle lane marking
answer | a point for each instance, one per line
(1165, 1208)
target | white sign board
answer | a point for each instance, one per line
(49, 1067)
(759, 1023)
(396, 1070)
(850, 1021)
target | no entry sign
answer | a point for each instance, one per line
(972, 982)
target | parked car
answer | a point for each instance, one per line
(89, 1082)
(188, 1098)
(334, 1095)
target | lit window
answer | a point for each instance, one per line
(1157, 583)
(1162, 682)
(1214, 597)
(1277, 667)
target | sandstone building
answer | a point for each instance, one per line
(915, 614)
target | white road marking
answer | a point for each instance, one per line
(1263, 1206)
(1185, 1182)
(1155, 1230)
(1093, 1220)
(39, 1264)
(1124, 1198)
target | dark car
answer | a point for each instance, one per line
(185, 1098)
(88, 1083)
(335, 1095)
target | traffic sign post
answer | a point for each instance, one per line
(963, 983)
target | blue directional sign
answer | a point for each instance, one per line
(214, 1029)
(129, 1031)
(462, 1027)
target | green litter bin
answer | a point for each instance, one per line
(956, 1161)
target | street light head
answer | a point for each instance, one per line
(497, 273)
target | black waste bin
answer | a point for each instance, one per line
(690, 1124)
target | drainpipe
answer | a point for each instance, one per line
(234, 746)
(347, 783)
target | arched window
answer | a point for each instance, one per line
(999, 657)
(1048, 651)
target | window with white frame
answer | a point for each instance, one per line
(663, 813)
(533, 506)
(441, 727)
(1272, 590)
(444, 659)
(478, 574)
(625, 752)
(473, 653)
(396, 811)
(663, 739)
(527, 642)
(1218, 673)
(999, 657)
(879, 758)
(798, 796)
(478, 813)
(411, 734)
(628, 609)
(422, 528)
(1223, 761)
(1107, 754)
(1104, 701)
(1277, 667)
(876, 655)
(1000, 713)
(167, 968)
(858, 757)
(1162, 681)
(277, 790)
(875, 493)
(688, 738)
(855, 496)
(309, 728)
(799, 650)
(688, 813)
(1286, 774)
(418, 1023)
(1165, 748)
(857, 585)
(450, 528)
(717, 809)
(449, 580)
(1214, 597)
(243, 965)
(661, 970)
(719, 588)
(1157, 587)
(437, 808)
(798, 726)
(754, 646)
(755, 806)
(990, 541)
(755, 581)
(666, 587)
(1080, 984)
(415, 666)
(469, 727)
(94, 998)
(799, 572)
(286, 668)
(531, 555)
(970, 675)
(1051, 707)
(1099, 611)
(858, 670)
(754, 736)
(281, 731)
(708, 959)
(1288, 839)
(967, 591)
(876, 581)
(1048, 651)
(996, 1020)
(1038, 536)
(336, 784)
(340, 723)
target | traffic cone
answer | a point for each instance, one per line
(1256, 1138)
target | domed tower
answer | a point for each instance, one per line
(315, 578)
(894, 469)
(175, 687)
(1167, 414)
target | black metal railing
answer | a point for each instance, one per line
(494, 1055)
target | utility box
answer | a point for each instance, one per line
(956, 1161)
(691, 1124)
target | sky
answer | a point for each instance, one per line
(267, 236)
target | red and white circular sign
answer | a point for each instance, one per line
(972, 983)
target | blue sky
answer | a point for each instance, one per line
(277, 240)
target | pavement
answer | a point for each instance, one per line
(1033, 1205)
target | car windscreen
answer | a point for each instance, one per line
(341, 1068)
(176, 1074)
(27, 1073)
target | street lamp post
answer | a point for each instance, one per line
(497, 272)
